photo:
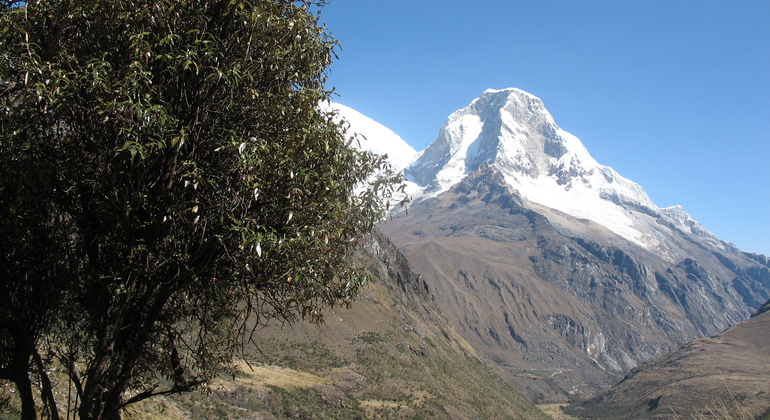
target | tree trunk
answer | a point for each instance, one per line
(26, 353)
(124, 336)
(18, 373)
(24, 386)
(100, 407)
(102, 393)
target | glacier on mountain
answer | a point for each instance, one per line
(512, 131)
(375, 137)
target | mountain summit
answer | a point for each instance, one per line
(562, 274)
(512, 131)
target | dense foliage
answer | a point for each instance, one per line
(166, 174)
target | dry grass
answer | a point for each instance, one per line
(263, 376)
(555, 411)
(732, 410)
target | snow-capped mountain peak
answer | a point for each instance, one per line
(509, 127)
(512, 131)
(530, 244)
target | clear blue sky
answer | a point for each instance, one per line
(675, 95)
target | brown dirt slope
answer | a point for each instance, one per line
(561, 307)
(725, 376)
(392, 355)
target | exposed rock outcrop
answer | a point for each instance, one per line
(563, 307)
(727, 376)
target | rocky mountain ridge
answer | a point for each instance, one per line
(564, 307)
(561, 273)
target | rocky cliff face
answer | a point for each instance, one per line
(563, 307)
(725, 376)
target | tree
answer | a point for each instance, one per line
(166, 172)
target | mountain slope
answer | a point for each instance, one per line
(561, 273)
(390, 356)
(562, 307)
(725, 374)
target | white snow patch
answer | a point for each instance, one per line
(375, 137)
(466, 130)
(574, 183)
